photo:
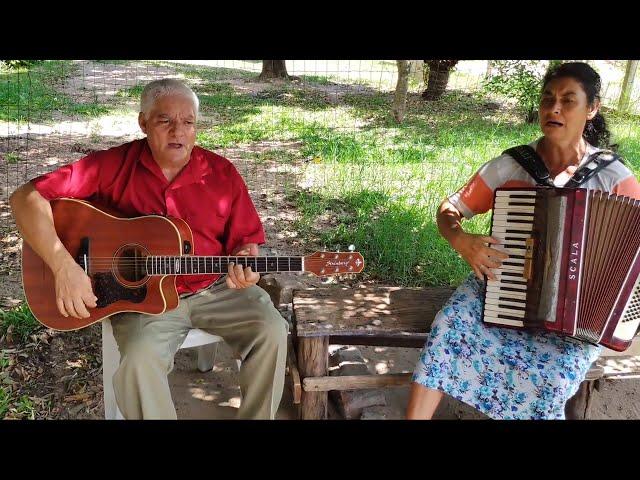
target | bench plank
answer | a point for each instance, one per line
(368, 311)
(356, 382)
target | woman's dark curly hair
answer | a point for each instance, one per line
(595, 131)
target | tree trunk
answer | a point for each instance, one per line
(627, 85)
(489, 69)
(273, 69)
(436, 83)
(400, 98)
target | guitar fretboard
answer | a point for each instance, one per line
(198, 265)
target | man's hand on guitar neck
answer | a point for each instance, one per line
(73, 290)
(239, 277)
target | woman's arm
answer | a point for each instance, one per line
(472, 248)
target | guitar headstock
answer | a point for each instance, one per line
(324, 264)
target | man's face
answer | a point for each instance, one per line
(170, 126)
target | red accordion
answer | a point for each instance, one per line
(573, 266)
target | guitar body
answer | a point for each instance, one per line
(115, 252)
(101, 239)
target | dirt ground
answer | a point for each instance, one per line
(61, 372)
(216, 394)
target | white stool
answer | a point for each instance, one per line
(207, 346)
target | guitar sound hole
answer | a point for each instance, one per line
(130, 263)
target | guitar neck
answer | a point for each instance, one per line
(199, 265)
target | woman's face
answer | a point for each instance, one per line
(564, 110)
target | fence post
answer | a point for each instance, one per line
(627, 85)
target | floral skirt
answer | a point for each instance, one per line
(504, 373)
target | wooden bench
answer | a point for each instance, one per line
(392, 317)
(381, 316)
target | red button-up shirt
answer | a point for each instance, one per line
(209, 194)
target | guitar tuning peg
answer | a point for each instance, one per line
(352, 247)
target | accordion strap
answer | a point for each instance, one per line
(597, 161)
(529, 159)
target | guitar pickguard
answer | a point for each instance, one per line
(109, 290)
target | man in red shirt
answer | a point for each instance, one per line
(167, 174)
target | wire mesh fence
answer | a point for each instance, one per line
(326, 164)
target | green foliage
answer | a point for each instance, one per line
(315, 79)
(13, 64)
(518, 79)
(16, 325)
(5, 401)
(360, 177)
(20, 320)
(16, 407)
(397, 237)
(33, 93)
(377, 185)
(11, 158)
(133, 92)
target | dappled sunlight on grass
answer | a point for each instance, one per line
(365, 179)
(626, 133)
(395, 233)
(31, 94)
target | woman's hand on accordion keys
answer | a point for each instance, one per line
(480, 256)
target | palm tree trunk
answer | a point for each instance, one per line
(436, 83)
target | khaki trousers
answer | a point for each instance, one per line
(245, 318)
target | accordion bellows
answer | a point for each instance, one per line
(573, 266)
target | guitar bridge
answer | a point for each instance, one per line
(82, 258)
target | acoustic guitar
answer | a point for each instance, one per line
(133, 263)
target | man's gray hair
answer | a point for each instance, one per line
(166, 86)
